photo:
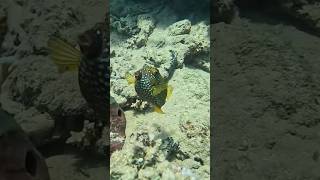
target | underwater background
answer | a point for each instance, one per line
(172, 36)
(265, 79)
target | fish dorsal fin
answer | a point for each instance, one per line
(64, 55)
(130, 78)
(158, 110)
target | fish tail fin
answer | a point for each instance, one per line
(64, 55)
(158, 110)
(169, 91)
(130, 78)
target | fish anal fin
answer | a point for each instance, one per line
(159, 88)
(169, 91)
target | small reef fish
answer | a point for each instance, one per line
(150, 86)
(92, 64)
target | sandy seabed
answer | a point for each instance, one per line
(266, 90)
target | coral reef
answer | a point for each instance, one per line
(153, 155)
(85, 137)
(30, 26)
(180, 27)
(167, 49)
(35, 87)
(157, 136)
(38, 125)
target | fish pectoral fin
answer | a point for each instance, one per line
(130, 78)
(157, 89)
(64, 55)
(158, 110)
(169, 91)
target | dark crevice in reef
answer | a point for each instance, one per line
(256, 5)
(272, 12)
(59, 147)
(192, 10)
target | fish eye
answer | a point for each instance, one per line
(137, 76)
(119, 112)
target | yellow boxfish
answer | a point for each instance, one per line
(92, 64)
(150, 86)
